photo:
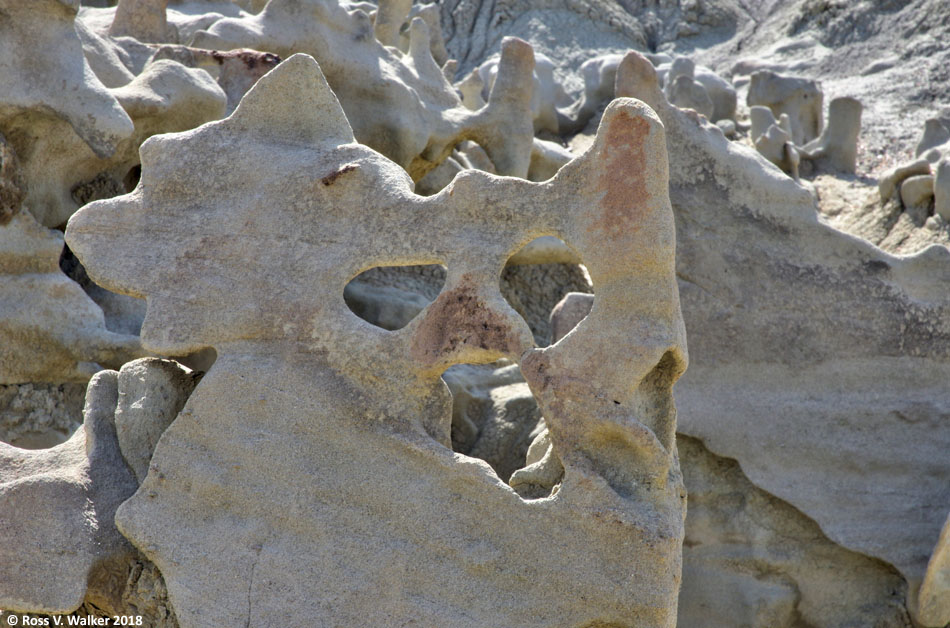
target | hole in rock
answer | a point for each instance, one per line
(391, 296)
(132, 178)
(538, 278)
(494, 415)
(123, 314)
(495, 418)
(199, 361)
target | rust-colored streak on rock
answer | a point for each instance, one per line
(624, 177)
(336, 174)
(459, 318)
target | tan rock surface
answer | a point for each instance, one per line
(935, 591)
(798, 97)
(750, 559)
(400, 104)
(50, 330)
(302, 388)
(77, 142)
(821, 361)
(152, 392)
(57, 507)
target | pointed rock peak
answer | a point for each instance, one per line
(515, 81)
(629, 124)
(293, 103)
(636, 78)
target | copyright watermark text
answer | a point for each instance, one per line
(74, 620)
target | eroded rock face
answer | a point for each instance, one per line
(57, 507)
(750, 559)
(935, 590)
(36, 416)
(67, 139)
(800, 98)
(399, 103)
(152, 392)
(303, 388)
(846, 347)
(50, 330)
(60, 547)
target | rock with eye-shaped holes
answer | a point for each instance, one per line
(309, 476)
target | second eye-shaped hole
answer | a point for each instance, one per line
(391, 296)
(537, 278)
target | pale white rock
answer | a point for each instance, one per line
(546, 159)
(686, 93)
(819, 361)
(57, 82)
(917, 191)
(837, 146)
(890, 181)
(236, 71)
(598, 74)
(546, 97)
(776, 146)
(57, 506)
(942, 189)
(760, 118)
(145, 20)
(800, 98)
(62, 168)
(720, 91)
(935, 136)
(303, 388)
(399, 103)
(569, 312)
(152, 392)
(935, 590)
(50, 330)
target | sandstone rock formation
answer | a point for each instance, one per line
(800, 98)
(34, 99)
(848, 405)
(837, 146)
(547, 95)
(935, 590)
(151, 394)
(50, 330)
(78, 141)
(70, 493)
(813, 431)
(399, 104)
(68, 552)
(615, 443)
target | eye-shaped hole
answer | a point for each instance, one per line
(391, 296)
(537, 278)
